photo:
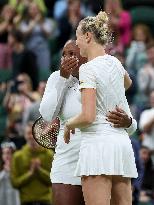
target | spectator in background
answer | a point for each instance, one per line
(6, 24)
(37, 30)
(95, 5)
(145, 78)
(146, 125)
(32, 112)
(59, 8)
(18, 98)
(21, 5)
(30, 171)
(8, 195)
(50, 7)
(2, 3)
(136, 183)
(69, 21)
(137, 56)
(120, 22)
(24, 60)
(147, 189)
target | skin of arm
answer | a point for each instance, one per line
(127, 81)
(86, 117)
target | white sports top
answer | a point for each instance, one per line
(62, 98)
(106, 75)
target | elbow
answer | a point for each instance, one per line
(128, 84)
(45, 114)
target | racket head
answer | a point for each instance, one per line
(45, 133)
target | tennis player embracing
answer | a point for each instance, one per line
(106, 159)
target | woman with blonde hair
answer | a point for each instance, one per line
(106, 160)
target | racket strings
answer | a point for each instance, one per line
(46, 133)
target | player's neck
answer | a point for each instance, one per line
(95, 51)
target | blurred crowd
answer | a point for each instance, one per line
(32, 35)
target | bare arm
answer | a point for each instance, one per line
(86, 117)
(127, 81)
(88, 114)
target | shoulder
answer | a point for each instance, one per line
(89, 66)
(18, 154)
(86, 70)
(147, 112)
(54, 76)
(118, 64)
(115, 60)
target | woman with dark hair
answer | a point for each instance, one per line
(61, 98)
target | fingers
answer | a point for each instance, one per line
(114, 121)
(115, 115)
(73, 131)
(72, 65)
(118, 109)
(117, 126)
(69, 62)
(66, 135)
(116, 118)
(67, 66)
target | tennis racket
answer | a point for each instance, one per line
(45, 133)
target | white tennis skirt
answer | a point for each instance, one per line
(65, 161)
(106, 152)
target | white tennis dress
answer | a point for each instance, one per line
(105, 149)
(62, 98)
